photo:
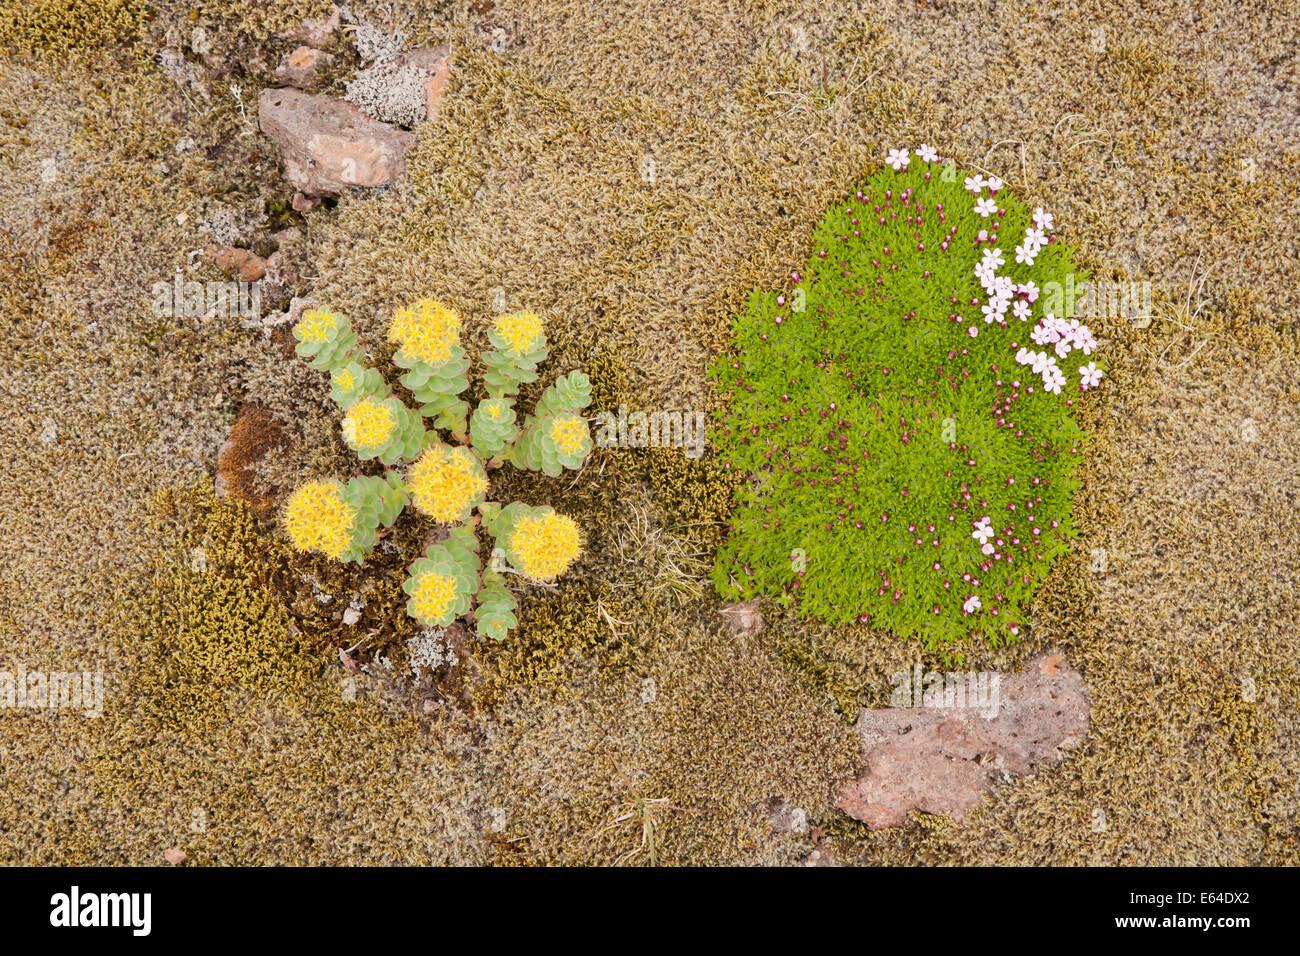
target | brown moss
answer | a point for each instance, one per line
(532, 181)
(695, 494)
(62, 28)
(581, 626)
(252, 437)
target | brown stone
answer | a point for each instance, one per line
(942, 759)
(435, 61)
(327, 145)
(234, 260)
(301, 67)
(436, 87)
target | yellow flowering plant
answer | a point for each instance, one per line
(539, 543)
(441, 585)
(446, 481)
(427, 335)
(325, 338)
(383, 428)
(556, 436)
(352, 382)
(342, 521)
(518, 347)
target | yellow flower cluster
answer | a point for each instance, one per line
(369, 424)
(318, 519)
(545, 547)
(316, 324)
(522, 330)
(433, 595)
(568, 433)
(345, 380)
(426, 331)
(444, 482)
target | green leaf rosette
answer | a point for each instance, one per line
(570, 393)
(499, 522)
(441, 585)
(492, 427)
(437, 388)
(352, 382)
(519, 346)
(538, 542)
(494, 617)
(556, 437)
(325, 339)
(383, 428)
(552, 444)
(378, 502)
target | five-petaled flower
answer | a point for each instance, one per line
(898, 158)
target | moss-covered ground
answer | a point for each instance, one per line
(632, 170)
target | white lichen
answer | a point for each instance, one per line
(390, 92)
(430, 649)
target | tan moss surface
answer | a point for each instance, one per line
(630, 171)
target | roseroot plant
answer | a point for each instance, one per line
(445, 480)
(903, 411)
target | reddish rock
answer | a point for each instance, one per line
(943, 759)
(404, 91)
(328, 145)
(233, 260)
(301, 67)
(436, 62)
